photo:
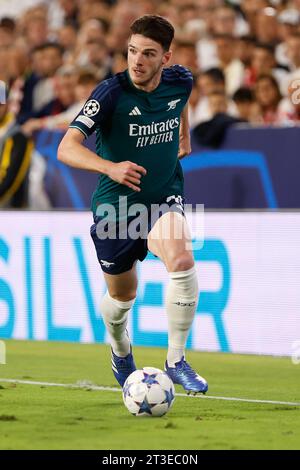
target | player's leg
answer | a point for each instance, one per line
(170, 240)
(182, 290)
(117, 258)
(114, 307)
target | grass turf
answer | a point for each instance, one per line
(42, 417)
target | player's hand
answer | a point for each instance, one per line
(127, 173)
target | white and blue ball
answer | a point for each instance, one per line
(148, 392)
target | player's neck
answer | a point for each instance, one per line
(149, 86)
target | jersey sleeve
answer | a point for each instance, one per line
(96, 110)
(179, 75)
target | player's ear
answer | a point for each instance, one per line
(166, 57)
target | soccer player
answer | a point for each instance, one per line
(141, 125)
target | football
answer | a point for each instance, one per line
(148, 392)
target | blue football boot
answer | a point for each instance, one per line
(184, 375)
(122, 367)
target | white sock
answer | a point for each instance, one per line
(181, 304)
(115, 316)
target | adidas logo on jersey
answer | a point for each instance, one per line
(135, 112)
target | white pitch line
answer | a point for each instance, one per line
(85, 385)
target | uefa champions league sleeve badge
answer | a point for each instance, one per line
(91, 108)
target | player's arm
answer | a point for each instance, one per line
(73, 153)
(184, 134)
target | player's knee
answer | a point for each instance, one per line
(181, 262)
(123, 297)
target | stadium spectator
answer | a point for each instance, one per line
(206, 48)
(211, 80)
(264, 63)
(295, 4)
(232, 67)
(217, 102)
(51, 60)
(293, 51)
(190, 27)
(18, 62)
(206, 10)
(208, 82)
(211, 133)
(98, 56)
(123, 15)
(289, 107)
(72, 93)
(4, 60)
(64, 89)
(33, 88)
(288, 21)
(227, 45)
(7, 32)
(186, 12)
(119, 62)
(35, 27)
(67, 38)
(91, 30)
(266, 26)
(247, 108)
(184, 53)
(193, 102)
(250, 8)
(23, 81)
(94, 9)
(227, 21)
(62, 12)
(244, 51)
(16, 8)
(268, 97)
(15, 156)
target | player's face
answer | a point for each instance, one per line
(146, 58)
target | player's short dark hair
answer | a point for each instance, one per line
(156, 28)
(215, 74)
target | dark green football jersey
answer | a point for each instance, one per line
(141, 127)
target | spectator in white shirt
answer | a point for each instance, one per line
(289, 21)
(209, 82)
(266, 26)
(232, 67)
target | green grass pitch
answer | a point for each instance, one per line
(44, 417)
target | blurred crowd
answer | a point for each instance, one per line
(244, 56)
